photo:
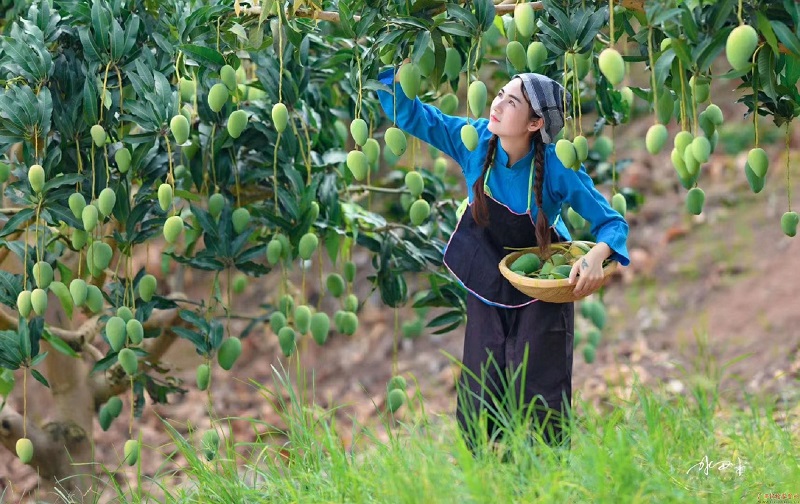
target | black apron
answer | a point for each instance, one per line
(497, 336)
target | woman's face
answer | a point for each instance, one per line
(510, 113)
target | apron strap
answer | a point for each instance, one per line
(488, 191)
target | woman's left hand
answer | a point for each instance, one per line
(588, 272)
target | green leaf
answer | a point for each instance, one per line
(792, 74)
(195, 319)
(664, 15)
(239, 31)
(252, 268)
(346, 20)
(10, 355)
(62, 180)
(721, 13)
(794, 11)
(101, 25)
(332, 243)
(421, 44)
(117, 41)
(681, 49)
(38, 376)
(663, 65)
(217, 333)
(563, 26)
(39, 358)
(131, 31)
(24, 340)
(89, 48)
(46, 19)
(455, 29)
(463, 15)
(765, 28)
(197, 339)
(19, 249)
(766, 72)
(90, 108)
(712, 50)
(552, 37)
(447, 319)
(424, 5)
(54, 215)
(689, 25)
(104, 363)
(10, 287)
(30, 333)
(440, 55)
(207, 263)
(27, 52)
(187, 195)
(591, 29)
(787, 38)
(15, 223)
(204, 56)
(59, 344)
(122, 207)
(410, 23)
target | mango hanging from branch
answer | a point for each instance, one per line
(524, 20)
(476, 97)
(612, 66)
(740, 46)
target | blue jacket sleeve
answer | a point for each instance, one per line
(577, 188)
(424, 121)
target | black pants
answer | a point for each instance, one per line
(495, 347)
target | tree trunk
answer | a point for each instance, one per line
(60, 420)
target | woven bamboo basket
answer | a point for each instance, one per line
(550, 291)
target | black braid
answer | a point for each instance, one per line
(480, 211)
(542, 227)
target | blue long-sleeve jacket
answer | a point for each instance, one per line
(509, 185)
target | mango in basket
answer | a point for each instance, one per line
(526, 264)
(579, 249)
(561, 271)
(558, 259)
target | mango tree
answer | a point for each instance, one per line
(247, 138)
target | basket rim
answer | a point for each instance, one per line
(521, 280)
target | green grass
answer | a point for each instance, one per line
(649, 447)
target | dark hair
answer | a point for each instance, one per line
(480, 211)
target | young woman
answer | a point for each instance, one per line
(516, 187)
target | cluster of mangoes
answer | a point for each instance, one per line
(595, 312)
(180, 127)
(410, 76)
(360, 161)
(289, 322)
(573, 152)
(556, 267)
(396, 393)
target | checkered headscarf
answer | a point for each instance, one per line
(547, 101)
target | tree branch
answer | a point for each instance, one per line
(75, 338)
(78, 338)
